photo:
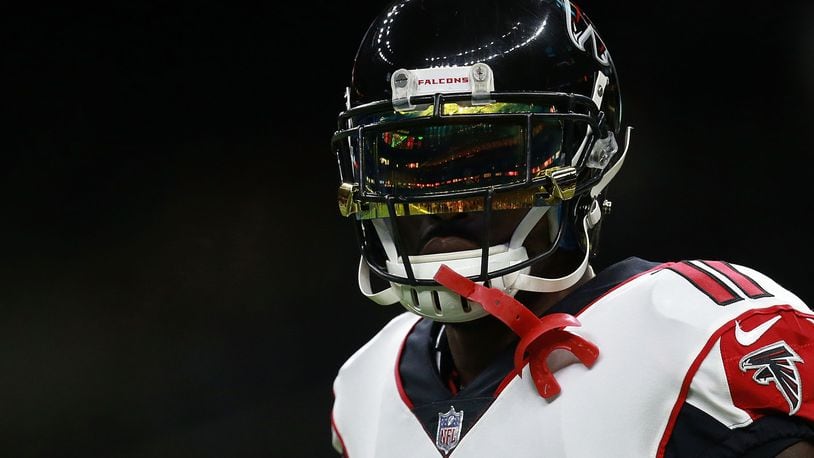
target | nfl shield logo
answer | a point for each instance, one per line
(449, 429)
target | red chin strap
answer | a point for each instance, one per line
(538, 336)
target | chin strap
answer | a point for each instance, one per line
(385, 297)
(527, 282)
(538, 336)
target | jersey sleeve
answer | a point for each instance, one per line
(753, 394)
(768, 358)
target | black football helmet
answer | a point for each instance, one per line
(461, 107)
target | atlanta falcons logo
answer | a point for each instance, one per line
(775, 363)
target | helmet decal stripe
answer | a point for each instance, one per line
(580, 38)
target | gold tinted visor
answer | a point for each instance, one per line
(556, 185)
(448, 164)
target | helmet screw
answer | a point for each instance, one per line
(400, 80)
(480, 72)
(601, 91)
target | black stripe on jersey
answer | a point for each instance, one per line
(696, 433)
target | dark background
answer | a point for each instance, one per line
(175, 277)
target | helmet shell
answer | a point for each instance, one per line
(530, 45)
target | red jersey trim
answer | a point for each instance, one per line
(625, 282)
(339, 436)
(508, 378)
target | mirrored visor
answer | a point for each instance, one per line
(443, 158)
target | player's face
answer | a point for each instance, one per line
(430, 234)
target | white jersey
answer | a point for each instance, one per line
(697, 358)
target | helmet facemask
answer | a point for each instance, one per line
(448, 157)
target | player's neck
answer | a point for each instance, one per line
(475, 345)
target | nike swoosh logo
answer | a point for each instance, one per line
(748, 338)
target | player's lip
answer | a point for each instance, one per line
(447, 244)
(444, 236)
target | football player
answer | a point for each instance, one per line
(474, 155)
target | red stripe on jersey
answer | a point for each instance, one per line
(746, 284)
(706, 282)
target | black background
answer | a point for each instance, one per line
(175, 278)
